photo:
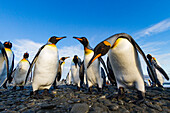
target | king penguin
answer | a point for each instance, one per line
(4, 66)
(46, 63)
(124, 59)
(10, 54)
(20, 72)
(159, 71)
(60, 70)
(93, 73)
(75, 67)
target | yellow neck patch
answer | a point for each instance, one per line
(53, 45)
(117, 42)
(87, 51)
(7, 49)
(107, 43)
(24, 60)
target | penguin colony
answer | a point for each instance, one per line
(123, 67)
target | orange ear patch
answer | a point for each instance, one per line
(107, 43)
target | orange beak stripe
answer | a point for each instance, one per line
(79, 39)
(96, 57)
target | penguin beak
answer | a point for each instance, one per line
(93, 59)
(59, 38)
(67, 57)
(78, 38)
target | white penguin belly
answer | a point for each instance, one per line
(93, 72)
(126, 65)
(75, 74)
(21, 72)
(45, 68)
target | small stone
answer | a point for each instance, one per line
(80, 108)
(70, 101)
(113, 107)
(48, 106)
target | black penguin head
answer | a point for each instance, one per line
(100, 50)
(75, 59)
(8, 44)
(55, 39)
(26, 55)
(83, 40)
(149, 56)
(63, 58)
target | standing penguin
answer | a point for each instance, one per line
(157, 69)
(60, 70)
(124, 59)
(4, 66)
(93, 73)
(10, 54)
(75, 67)
(68, 78)
(46, 64)
(20, 72)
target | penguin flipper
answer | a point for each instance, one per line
(59, 73)
(6, 60)
(161, 71)
(111, 75)
(81, 73)
(11, 70)
(33, 62)
(102, 61)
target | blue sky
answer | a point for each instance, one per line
(29, 24)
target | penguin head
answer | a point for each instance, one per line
(8, 44)
(75, 60)
(149, 56)
(83, 40)
(26, 55)
(55, 39)
(100, 50)
(63, 58)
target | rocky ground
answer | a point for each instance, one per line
(68, 99)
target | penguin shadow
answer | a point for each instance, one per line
(41, 94)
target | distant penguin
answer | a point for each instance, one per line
(46, 64)
(157, 69)
(68, 78)
(4, 66)
(75, 67)
(10, 54)
(124, 59)
(20, 72)
(60, 70)
(93, 73)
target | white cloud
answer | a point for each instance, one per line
(154, 29)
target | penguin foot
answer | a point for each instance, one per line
(35, 95)
(78, 88)
(121, 93)
(99, 90)
(14, 88)
(46, 93)
(90, 90)
(141, 98)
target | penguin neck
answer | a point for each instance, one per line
(24, 59)
(114, 43)
(7, 49)
(88, 50)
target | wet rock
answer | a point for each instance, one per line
(47, 106)
(113, 107)
(80, 108)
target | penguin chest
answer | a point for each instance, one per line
(21, 72)
(125, 62)
(2, 60)
(46, 65)
(93, 71)
(10, 56)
